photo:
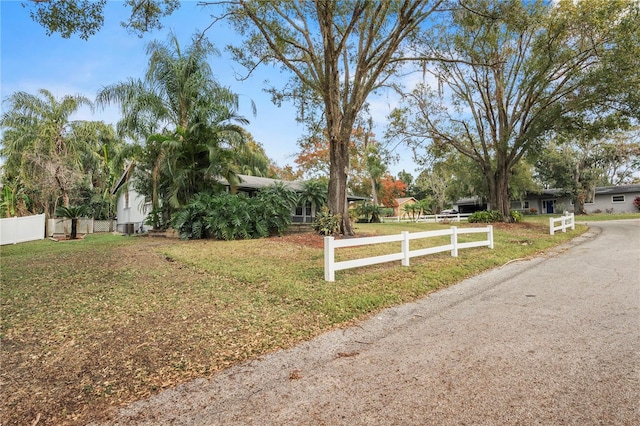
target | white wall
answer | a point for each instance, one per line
(20, 229)
(134, 211)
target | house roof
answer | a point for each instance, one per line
(475, 200)
(246, 183)
(401, 201)
(600, 190)
(255, 182)
(124, 178)
(620, 189)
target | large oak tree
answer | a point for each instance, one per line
(510, 72)
(338, 52)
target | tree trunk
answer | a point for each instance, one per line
(74, 228)
(579, 201)
(338, 173)
(374, 191)
(499, 198)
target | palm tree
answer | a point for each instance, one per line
(314, 192)
(184, 115)
(73, 213)
(250, 157)
(102, 164)
(38, 146)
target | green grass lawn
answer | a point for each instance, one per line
(90, 324)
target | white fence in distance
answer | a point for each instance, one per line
(15, 230)
(62, 226)
(566, 221)
(428, 218)
(331, 244)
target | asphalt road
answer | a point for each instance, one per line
(550, 341)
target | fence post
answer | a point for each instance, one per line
(490, 236)
(329, 257)
(551, 230)
(454, 241)
(573, 221)
(405, 248)
(564, 223)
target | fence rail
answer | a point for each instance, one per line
(331, 244)
(15, 230)
(435, 218)
(566, 221)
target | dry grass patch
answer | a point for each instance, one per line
(97, 323)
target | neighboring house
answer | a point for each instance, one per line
(398, 210)
(470, 205)
(607, 199)
(133, 208)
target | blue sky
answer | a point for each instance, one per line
(31, 60)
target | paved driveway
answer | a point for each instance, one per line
(553, 340)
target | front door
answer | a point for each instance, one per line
(547, 206)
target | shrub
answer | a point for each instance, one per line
(235, 216)
(326, 223)
(516, 216)
(636, 202)
(157, 219)
(192, 220)
(274, 206)
(533, 210)
(485, 216)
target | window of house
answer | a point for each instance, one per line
(307, 209)
(617, 198)
(298, 210)
(525, 204)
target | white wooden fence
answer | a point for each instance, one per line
(15, 230)
(331, 244)
(428, 218)
(566, 221)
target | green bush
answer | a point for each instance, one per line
(326, 223)
(274, 206)
(492, 216)
(516, 216)
(233, 218)
(191, 221)
(485, 216)
(227, 216)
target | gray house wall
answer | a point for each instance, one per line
(613, 203)
(611, 199)
(607, 199)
